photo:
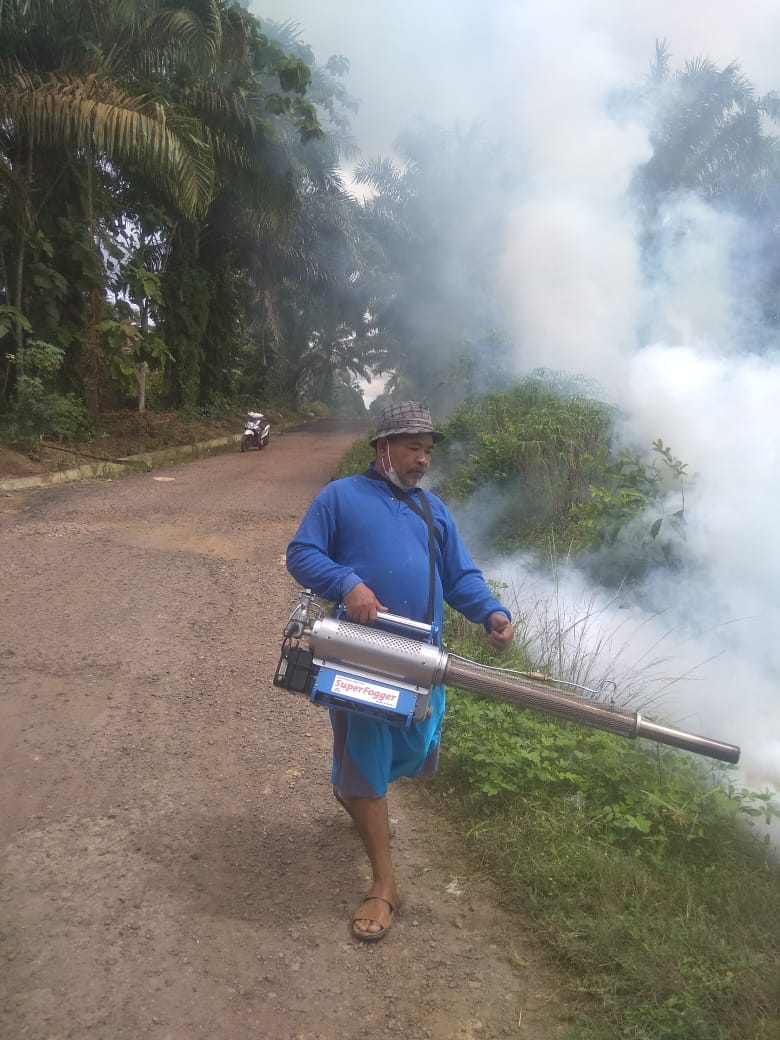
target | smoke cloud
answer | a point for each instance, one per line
(680, 352)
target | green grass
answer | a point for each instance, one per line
(647, 887)
(357, 459)
(677, 949)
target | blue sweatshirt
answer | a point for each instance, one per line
(357, 529)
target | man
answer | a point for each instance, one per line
(377, 542)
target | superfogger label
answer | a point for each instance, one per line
(369, 693)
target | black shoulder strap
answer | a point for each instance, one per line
(428, 518)
(423, 509)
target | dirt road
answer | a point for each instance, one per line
(172, 862)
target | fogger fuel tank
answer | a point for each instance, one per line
(387, 671)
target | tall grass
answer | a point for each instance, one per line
(646, 884)
(590, 638)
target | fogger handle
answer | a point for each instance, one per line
(402, 622)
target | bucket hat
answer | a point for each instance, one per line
(405, 417)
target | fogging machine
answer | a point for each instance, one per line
(387, 671)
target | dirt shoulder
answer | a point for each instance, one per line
(122, 434)
(172, 862)
(156, 435)
(17, 464)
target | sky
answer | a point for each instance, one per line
(675, 354)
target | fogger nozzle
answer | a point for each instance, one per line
(502, 685)
(398, 657)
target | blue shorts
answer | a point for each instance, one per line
(369, 754)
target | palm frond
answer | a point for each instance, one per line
(186, 31)
(97, 115)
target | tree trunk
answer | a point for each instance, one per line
(18, 291)
(143, 370)
(19, 272)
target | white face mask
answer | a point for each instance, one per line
(389, 471)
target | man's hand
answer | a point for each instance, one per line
(361, 604)
(501, 631)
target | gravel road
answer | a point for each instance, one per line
(172, 862)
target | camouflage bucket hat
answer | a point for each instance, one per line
(405, 417)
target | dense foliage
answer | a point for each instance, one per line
(528, 446)
(169, 195)
(543, 456)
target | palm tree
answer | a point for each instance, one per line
(69, 126)
(114, 109)
(248, 94)
(709, 132)
(711, 136)
(305, 259)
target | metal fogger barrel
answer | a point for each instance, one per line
(503, 685)
(389, 669)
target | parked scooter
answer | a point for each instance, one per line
(257, 432)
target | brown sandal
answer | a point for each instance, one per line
(359, 933)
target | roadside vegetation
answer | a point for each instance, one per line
(639, 869)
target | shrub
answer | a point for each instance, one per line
(528, 444)
(39, 410)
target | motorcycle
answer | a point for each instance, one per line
(257, 432)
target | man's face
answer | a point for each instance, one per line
(408, 454)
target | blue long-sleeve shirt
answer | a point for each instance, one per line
(357, 529)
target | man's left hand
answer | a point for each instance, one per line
(501, 631)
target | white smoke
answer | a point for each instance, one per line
(678, 354)
(720, 413)
(461, 60)
(700, 655)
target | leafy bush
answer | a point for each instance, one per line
(626, 511)
(39, 410)
(316, 408)
(624, 790)
(542, 456)
(529, 442)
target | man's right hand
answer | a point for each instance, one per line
(361, 604)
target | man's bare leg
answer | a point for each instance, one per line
(371, 819)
